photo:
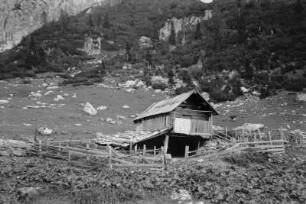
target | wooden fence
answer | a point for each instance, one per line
(77, 152)
(155, 158)
(87, 151)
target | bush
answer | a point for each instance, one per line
(295, 85)
(247, 158)
(221, 96)
(159, 82)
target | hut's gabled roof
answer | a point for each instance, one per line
(168, 105)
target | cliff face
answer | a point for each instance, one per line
(182, 24)
(19, 18)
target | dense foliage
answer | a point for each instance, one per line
(262, 40)
(250, 178)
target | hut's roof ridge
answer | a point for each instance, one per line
(168, 105)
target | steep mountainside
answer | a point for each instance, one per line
(18, 18)
(216, 47)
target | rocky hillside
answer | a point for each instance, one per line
(20, 18)
(215, 47)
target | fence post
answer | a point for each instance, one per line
(59, 148)
(135, 149)
(270, 137)
(186, 151)
(282, 133)
(110, 157)
(144, 150)
(131, 148)
(39, 149)
(69, 157)
(154, 151)
(163, 160)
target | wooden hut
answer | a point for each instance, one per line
(188, 119)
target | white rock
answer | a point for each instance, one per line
(45, 131)
(121, 117)
(74, 95)
(256, 93)
(78, 124)
(111, 121)
(250, 127)
(126, 107)
(48, 92)
(4, 102)
(102, 108)
(58, 98)
(66, 94)
(206, 1)
(27, 125)
(130, 90)
(52, 87)
(140, 84)
(88, 108)
(157, 91)
(244, 90)
(36, 94)
(130, 83)
(301, 97)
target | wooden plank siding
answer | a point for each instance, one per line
(187, 121)
(155, 123)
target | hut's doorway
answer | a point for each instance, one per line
(177, 144)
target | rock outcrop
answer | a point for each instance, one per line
(182, 24)
(19, 18)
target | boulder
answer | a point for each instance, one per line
(301, 97)
(44, 131)
(126, 107)
(58, 98)
(145, 42)
(102, 108)
(250, 127)
(3, 102)
(26, 193)
(88, 108)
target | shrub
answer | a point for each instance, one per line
(247, 158)
(182, 90)
(159, 82)
(220, 96)
(295, 85)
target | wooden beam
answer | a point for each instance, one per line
(166, 143)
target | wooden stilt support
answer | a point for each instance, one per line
(166, 143)
(154, 151)
(135, 148)
(186, 152)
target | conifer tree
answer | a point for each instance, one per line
(106, 22)
(198, 32)
(172, 37)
